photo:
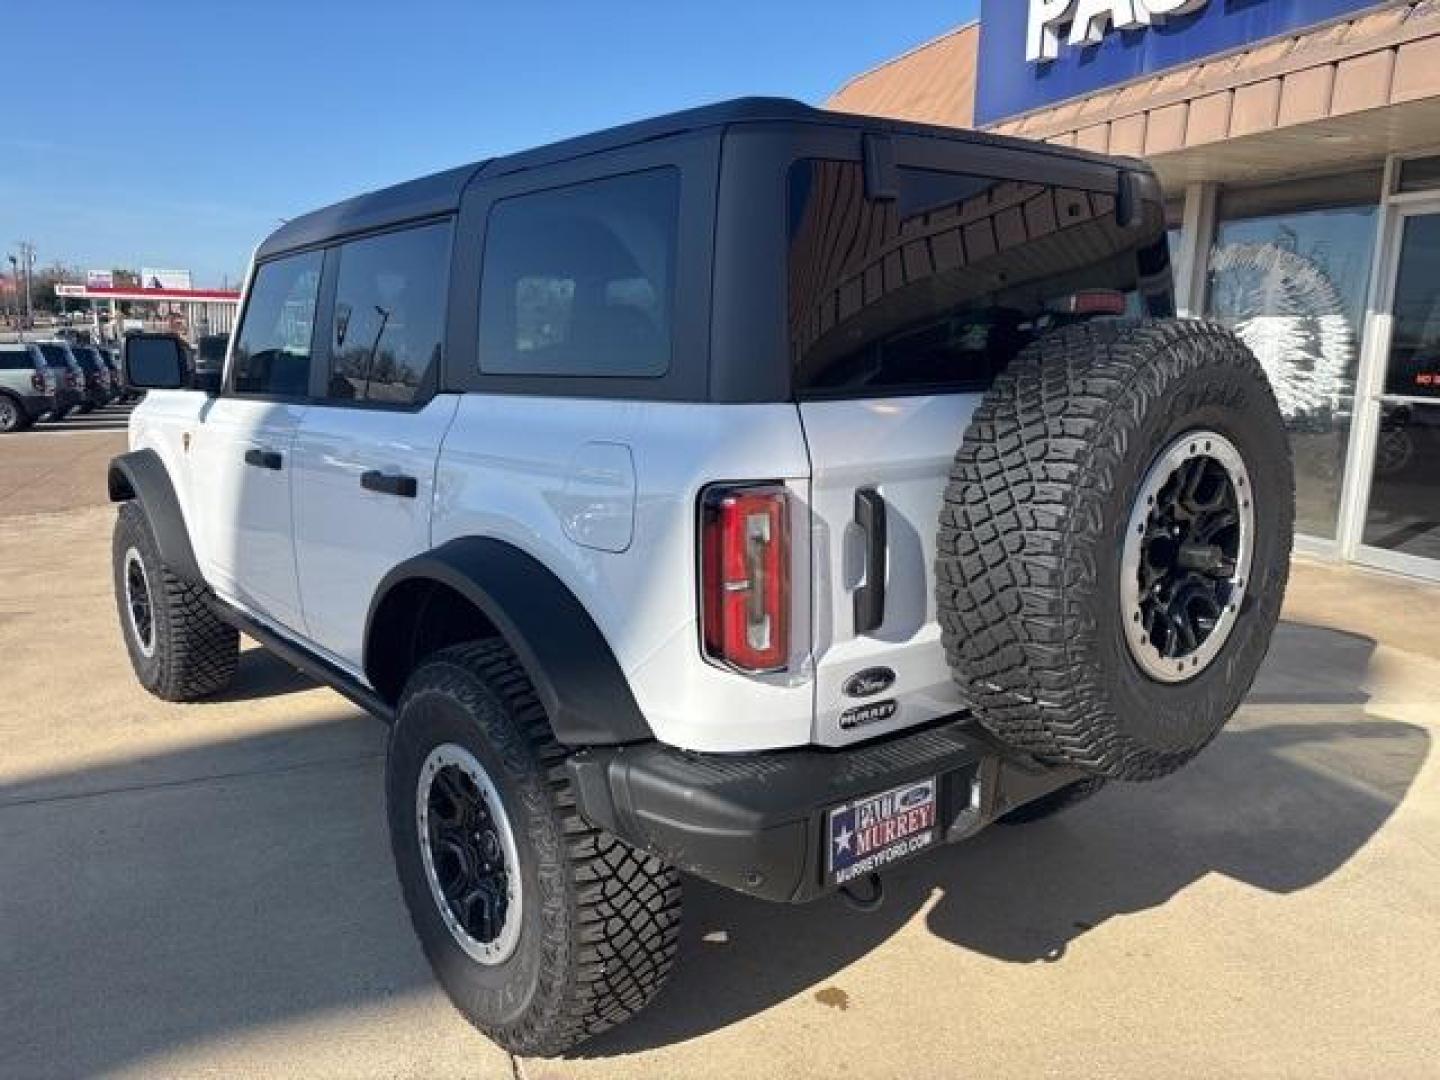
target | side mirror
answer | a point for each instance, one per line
(156, 362)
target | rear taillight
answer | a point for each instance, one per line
(745, 576)
(71, 382)
(37, 381)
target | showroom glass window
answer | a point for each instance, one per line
(272, 354)
(389, 315)
(579, 280)
(1289, 273)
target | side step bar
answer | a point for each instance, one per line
(319, 669)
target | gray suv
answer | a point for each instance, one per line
(27, 386)
(79, 389)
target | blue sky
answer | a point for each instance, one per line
(175, 133)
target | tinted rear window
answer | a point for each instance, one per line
(941, 287)
(55, 355)
(16, 360)
(579, 280)
(389, 320)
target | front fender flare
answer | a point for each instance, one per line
(575, 673)
(140, 475)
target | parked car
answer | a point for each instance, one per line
(95, 387)
(27, 386)
(94, 365)
(117, 374)
(72, 393)
(210, 352)
(758, 492)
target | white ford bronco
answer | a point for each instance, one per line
(756, 492)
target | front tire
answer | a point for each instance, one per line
(179, 649)
(542, 930)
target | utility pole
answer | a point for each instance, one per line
(15, 286)
(27, 265)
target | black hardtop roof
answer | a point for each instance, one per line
(440, 193)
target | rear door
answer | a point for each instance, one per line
(902, 310)
(365, 455)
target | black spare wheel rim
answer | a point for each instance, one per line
(1114, 544)
(468, 847)
(1187, 556)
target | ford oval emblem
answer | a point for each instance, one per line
(868, 683)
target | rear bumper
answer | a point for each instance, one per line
(756, 822)
(67, 399)
(37, 405)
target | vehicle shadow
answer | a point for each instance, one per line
(1277, 802)
(194, 895)
(262, 674)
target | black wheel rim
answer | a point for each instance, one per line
(469, 852)
(1187, 556)
(138, 601)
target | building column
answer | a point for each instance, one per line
(1191, 262)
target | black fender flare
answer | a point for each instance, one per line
(141, 476)
(572, 667)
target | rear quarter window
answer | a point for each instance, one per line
(579, 280)
(12, 359)
(938, 289)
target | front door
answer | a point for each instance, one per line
(1401, 527)
(240, 450)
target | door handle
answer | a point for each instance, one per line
(389, 483)
(264, 459)
(870, 597)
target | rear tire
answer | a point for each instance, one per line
(13, 416)
(1103, 603)
(179, 649)
(577, 937)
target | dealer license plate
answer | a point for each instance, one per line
(871, 833)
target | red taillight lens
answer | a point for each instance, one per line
(38, 382)
(71, 382)
(745, 576)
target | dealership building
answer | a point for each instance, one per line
(1298, 144)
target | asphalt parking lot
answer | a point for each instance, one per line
(207, 889)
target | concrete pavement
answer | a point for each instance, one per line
(207, 889)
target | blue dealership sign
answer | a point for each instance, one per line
(1034, 53)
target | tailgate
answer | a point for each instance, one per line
(899, 449)
(913, 281)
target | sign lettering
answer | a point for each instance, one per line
(1090, 20)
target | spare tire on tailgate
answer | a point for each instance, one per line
(1114, 544)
